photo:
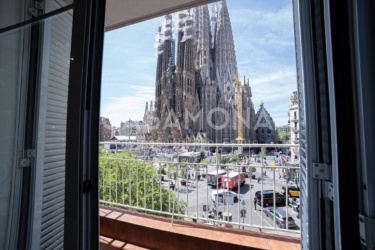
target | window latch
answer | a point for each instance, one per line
(322, 171)
(329, 190)
(367, 231)
(28, 155)
(35, 11)
(25, 162)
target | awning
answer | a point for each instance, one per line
(120, 13)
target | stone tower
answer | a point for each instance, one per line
(226, 73)
(194, 85)
(165, 90)
(206, 84)
(185, 72)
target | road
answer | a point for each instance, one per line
(197, 194)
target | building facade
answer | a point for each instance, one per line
(294, 125)
(285, 128)
(129, 127)
(115, 131)
(265, 128)
(195, 81)
(105, 129)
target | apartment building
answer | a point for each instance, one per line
(105, 129)
(294, 125)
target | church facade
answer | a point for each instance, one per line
(195, 81)
(265, 128)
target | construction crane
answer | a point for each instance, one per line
(239, 89)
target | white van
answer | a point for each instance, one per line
(217, 196)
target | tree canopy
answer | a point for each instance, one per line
(125, 179)
(284, 136)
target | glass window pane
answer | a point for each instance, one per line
(34, 65)
(23, 11)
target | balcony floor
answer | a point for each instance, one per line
(111, 244)
(158, 233)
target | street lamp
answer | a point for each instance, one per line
(129, 131)
(243, 213)
(233, 141)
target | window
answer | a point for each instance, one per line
(221, 50)
(327, 32)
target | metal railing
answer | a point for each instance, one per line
(203, 182)
(295, 129)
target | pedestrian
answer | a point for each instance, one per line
(255, 203)
(258, 179)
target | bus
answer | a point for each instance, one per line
(191, 157)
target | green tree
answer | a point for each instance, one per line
(203, 163)
(223, 160)
(235, 158)
(125, 179)
(183, 168)
(262, 153)
(172, 171)
(283, 136)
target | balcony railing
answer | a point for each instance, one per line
(220, 189)
(295, 150)
(295, 129)
(294, 118)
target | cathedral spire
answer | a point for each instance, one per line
(203, 57)
(225, 54)
(198, 77)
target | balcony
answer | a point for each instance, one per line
(121, 229)
(294, 119)
(295, 129)
(173, 190)
(295, 150)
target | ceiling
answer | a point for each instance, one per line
(120, 13)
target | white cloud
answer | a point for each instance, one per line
(121, 108)
(274, 90)
(264, 42)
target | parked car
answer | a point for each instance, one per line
(268, 198)
(218, 195)
(280, 216)
(293, 191)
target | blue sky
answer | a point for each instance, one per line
(263, 34)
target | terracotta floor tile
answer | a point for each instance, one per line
(110, 244)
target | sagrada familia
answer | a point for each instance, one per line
(195, 91)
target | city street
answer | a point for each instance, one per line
(197, 194)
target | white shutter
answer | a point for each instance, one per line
(303, 177)
(50, 164)
(52, 224)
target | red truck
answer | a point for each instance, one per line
(232, 180)
(214, 177)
